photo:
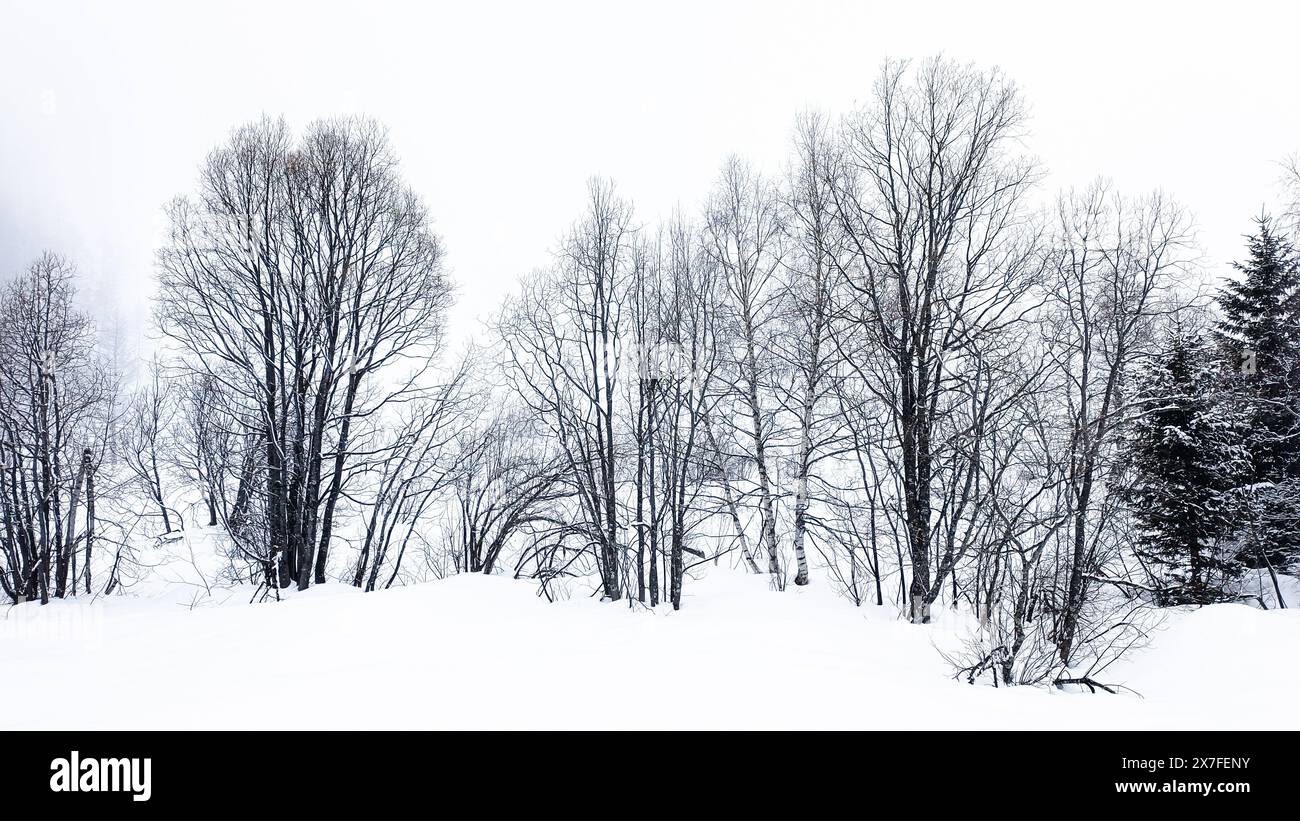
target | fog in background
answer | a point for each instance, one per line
(500, 111)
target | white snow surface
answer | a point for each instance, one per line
(487, 652)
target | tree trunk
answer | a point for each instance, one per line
(89, 469)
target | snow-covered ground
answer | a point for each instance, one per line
(476, 652)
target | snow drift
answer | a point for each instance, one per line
(486, 652)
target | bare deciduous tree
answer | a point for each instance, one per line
(742, 237)
(55, 395)
(812, 285)
(930, 201)
(144, 439)
(306, 282)
(564, 336)
(1112, 263)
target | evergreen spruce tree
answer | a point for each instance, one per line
(1186, 462)
(1260, 331)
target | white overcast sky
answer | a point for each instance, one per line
(500, 111)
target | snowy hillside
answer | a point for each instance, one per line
(486, 652)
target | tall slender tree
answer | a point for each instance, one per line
(812, 284)
(930, 202)
(742, 236)
(564, 337)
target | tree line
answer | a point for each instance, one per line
(884, 367)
